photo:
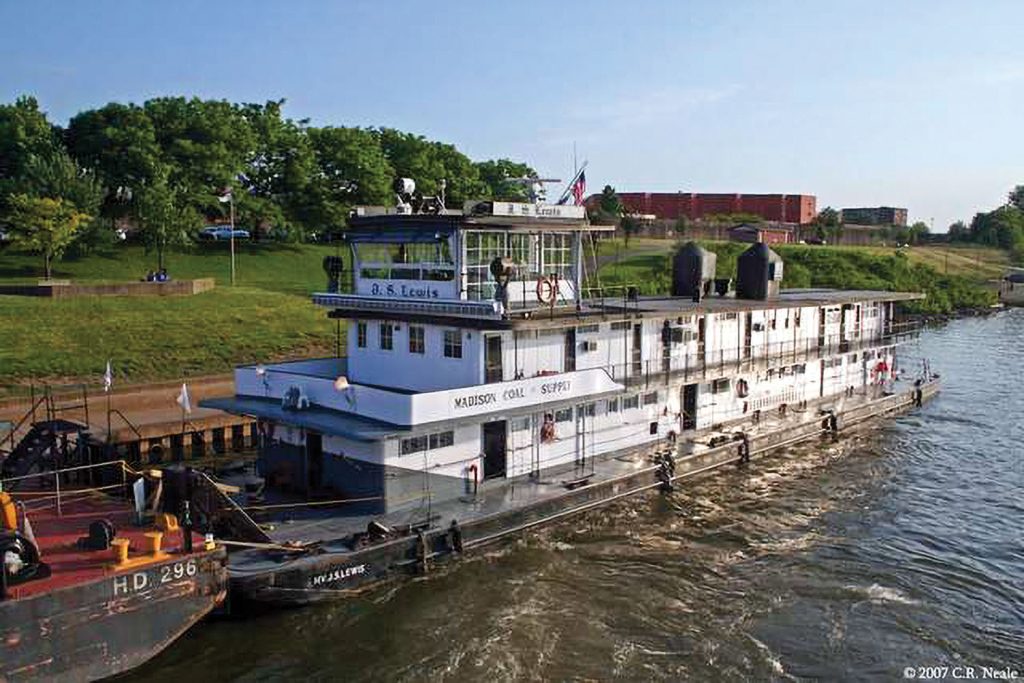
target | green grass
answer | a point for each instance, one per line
(268, 315)
(293, 268)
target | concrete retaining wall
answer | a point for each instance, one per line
(65, 290)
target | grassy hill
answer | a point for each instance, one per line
(267, 315)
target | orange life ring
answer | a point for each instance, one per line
(742, 389)
(547, 292)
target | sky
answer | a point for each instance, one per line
(906, 103)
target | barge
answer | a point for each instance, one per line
(486, 391)
(89, 586)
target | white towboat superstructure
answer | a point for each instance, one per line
(475, 363)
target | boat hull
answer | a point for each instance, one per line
(303, 579)
(110, 625)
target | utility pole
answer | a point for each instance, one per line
(231, 211)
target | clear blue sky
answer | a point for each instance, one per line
(916, 104)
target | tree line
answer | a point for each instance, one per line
(160, 167)
(1002, 227)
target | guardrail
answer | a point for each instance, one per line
(58, 495)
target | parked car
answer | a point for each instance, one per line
(222, 232)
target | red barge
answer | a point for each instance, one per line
(95, 581)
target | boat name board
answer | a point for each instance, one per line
(139, 581)
(528, 392)
(406, 291)
(336, 575)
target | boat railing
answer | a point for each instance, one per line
(706, 363)
(50, 490)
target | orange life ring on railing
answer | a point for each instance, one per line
(742, 389)
(547, 291)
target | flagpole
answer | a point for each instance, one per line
(231, 205)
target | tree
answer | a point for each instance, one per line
(351, 169)
(917, 232)
(495, 175)
(204, 144)
(118, 142)
(1016, 197)
(958, 232)
(1003, 227)
(165, 217)
(44, 225)
(630, 226)
(279, 172)
(24, 134)
(828, 225)
(428, 163)
(609, 203)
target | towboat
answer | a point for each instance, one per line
(488, 388)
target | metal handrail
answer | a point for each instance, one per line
(128, 422)
(30, 413)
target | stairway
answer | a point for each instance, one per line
(40, 449)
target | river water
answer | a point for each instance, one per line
(901, 547)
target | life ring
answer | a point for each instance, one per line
(547, 429)
(742, 388)
(546, 291)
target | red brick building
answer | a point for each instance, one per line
(782, 208)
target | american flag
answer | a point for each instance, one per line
(579, 188)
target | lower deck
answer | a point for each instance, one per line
(333, 529)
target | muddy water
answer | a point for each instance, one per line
(901, 547)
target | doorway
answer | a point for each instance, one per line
(690, 406)
(494, 435)
(821, 328)
(570, 350)
(493, 371)
(748, 334)
(638, 338)
(702, 338)
(314, 462)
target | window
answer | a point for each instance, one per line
(588, 329)
(418, 444)
(650, 398)
(621, 325)
(414, 445)
(589, 410)
(721, 386)
(521, 424)
(442, 439)
(613, 405)
(631, 402)
(563, 415)
(361, 335)
(416, 341)
(800, 369)
(452, 344)
(387, 339)
(557, 256)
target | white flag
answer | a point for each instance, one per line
(183, 399)
(108, 378)
(225, 198)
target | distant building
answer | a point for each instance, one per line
(875, 215)
(783, 208)
(768, 234)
